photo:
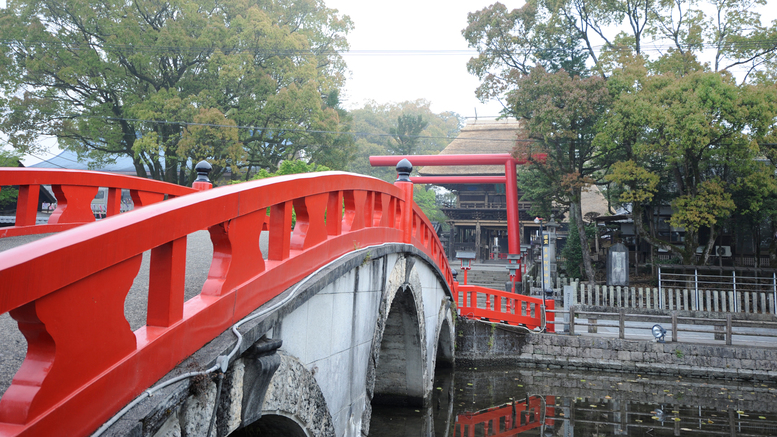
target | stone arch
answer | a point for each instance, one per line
(444, 348)
(398, 363)
(273, 425)
(294, 395)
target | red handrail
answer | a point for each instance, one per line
(516, 417)
(83, 362)
(75, 190)
(518, 309)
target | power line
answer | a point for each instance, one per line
(656, 45)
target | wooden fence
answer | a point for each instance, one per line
(675, 299)
(722, 328)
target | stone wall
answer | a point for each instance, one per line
(483, 344)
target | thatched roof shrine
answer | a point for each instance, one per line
(483, 136)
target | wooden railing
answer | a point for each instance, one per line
(84, 363)
(507, 420)
(477, 302)
(75, 191)
(720, 328)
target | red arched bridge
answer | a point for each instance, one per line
(384, 289)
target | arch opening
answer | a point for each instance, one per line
(271, 425)
(399, 379)
(444, 356)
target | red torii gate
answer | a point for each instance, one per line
(509, 179)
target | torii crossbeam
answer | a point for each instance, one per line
(509, 179)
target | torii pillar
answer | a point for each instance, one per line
(509, 179)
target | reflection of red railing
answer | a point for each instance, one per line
(507, 420)
(501, 306)
(67, 291)
(75, 191)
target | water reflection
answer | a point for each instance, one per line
(475, 403)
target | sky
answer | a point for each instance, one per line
(390, 59)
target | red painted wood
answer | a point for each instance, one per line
(439, 180)
(113, 204)
(75, 191)
(27, 205)
(446, 160)
(513, 314)
(167, 282)
(84, 362)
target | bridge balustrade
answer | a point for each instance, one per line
(75, 191)
(501, 306)
(83, 361)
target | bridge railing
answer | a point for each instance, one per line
(508, 420)
(84, 362)
(74, 191)
(500, 306)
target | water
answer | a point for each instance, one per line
(532, 402)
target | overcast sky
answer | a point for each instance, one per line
(407, 50)
(412, 49)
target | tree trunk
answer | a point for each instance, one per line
(577, 210)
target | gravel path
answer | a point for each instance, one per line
(13, 346)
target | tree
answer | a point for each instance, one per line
(8, 195)
(696, 134)
(374, 124)
(561, 114)
(137, 79)
(405, 134)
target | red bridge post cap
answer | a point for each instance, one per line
(404, 167)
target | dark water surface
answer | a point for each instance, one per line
(532, 402)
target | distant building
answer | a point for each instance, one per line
(478, 218)
(69, 160)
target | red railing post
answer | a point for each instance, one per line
(27, 205)
(167, 281)
(403, 182)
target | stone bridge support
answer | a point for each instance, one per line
(369, 328)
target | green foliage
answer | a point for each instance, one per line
(406, 134)
(561, 115)
(379, 123)
(243, 84)
(291, 167)
(573, 252)
(426, 199)
(672, 130)
(8, 195)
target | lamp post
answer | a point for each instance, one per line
(542, 255)
(466, 262)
